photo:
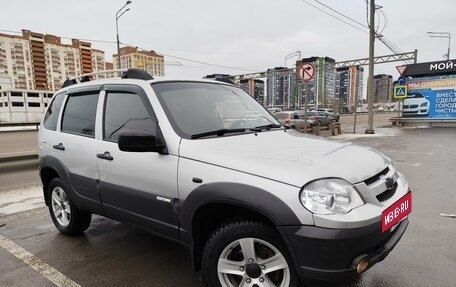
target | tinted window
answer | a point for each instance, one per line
(79, 114)
(50, 119)
(125, 112)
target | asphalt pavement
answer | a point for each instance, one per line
(34, 253)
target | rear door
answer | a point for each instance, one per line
(135, 187)
(75, 146)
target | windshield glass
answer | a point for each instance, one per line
(194, 107)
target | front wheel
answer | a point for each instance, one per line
(67, 218)
(247, 253)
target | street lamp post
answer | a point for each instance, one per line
(442, 35)
(117, 30)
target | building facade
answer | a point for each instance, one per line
(320, 90)
(35, 61)
(255, 88)
(348, 88)
(383, 88)
(281, 88)
(133, 57)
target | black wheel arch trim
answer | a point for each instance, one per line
(50, 162)
(81, 202)
(241, 195)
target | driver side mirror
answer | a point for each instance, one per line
(135, 141)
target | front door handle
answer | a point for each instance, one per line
(59, 146)
(106, 155)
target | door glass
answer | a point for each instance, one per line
(52, 114)
(79, 114)
(125, 112)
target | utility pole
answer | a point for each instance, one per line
(370, 82)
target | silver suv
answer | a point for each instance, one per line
(201, 162)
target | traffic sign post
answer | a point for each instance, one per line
(400, 93)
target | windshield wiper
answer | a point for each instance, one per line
(268, 127)
(219, 133)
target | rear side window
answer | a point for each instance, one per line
(52, 114)
(125, 112)
(79, 114)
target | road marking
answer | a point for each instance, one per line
(41, 267)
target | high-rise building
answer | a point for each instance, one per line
(321, 88)
(383, 88)
(255, 88)
(36, 61)
(132, 57)
(281, 88)
(349, 88)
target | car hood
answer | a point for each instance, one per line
(287, 156)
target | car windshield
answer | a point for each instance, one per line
(196, 108)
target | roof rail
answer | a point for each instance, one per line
(131, 73)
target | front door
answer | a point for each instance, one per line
(135, 187)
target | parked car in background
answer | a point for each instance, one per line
(330, 112)
(318, 118)
(293, 120)
(416, 104)
(274, 110)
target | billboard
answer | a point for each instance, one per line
(431, 97)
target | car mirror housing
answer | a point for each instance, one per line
(135, 141)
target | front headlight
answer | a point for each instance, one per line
(424, 104)
(330, 196)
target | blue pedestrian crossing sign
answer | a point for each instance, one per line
(400, 92)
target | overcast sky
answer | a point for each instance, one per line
(250, 34)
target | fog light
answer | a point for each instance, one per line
(362, 265)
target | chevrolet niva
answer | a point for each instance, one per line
(201, 162)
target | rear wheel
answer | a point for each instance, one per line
(246, 253)
(67, 218)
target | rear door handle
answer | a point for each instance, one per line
(106, 155)
(59, 146)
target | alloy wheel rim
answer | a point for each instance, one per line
(61, 206)
(252, 262)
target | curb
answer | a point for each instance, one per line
(18, 156)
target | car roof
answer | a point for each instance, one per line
(119, 80)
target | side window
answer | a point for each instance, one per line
(79, 114)
(125, 112)
(52, 114)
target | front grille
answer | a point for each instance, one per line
(405, 106)
(413, 106)
(376, 177)
(387, 194)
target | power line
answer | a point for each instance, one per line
(382, 38)
(318, 8)
(343, 15)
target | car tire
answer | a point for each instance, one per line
(224, 263)
(67, 218)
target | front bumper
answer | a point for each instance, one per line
(329, 254)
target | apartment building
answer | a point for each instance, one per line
(35, 61)
(349, 88)
(383, 88)
(321, 88)
(281, 88)
(133, 57)
(255, 88)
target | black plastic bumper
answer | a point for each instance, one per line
(328, 254)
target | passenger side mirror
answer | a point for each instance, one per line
(135, 141)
